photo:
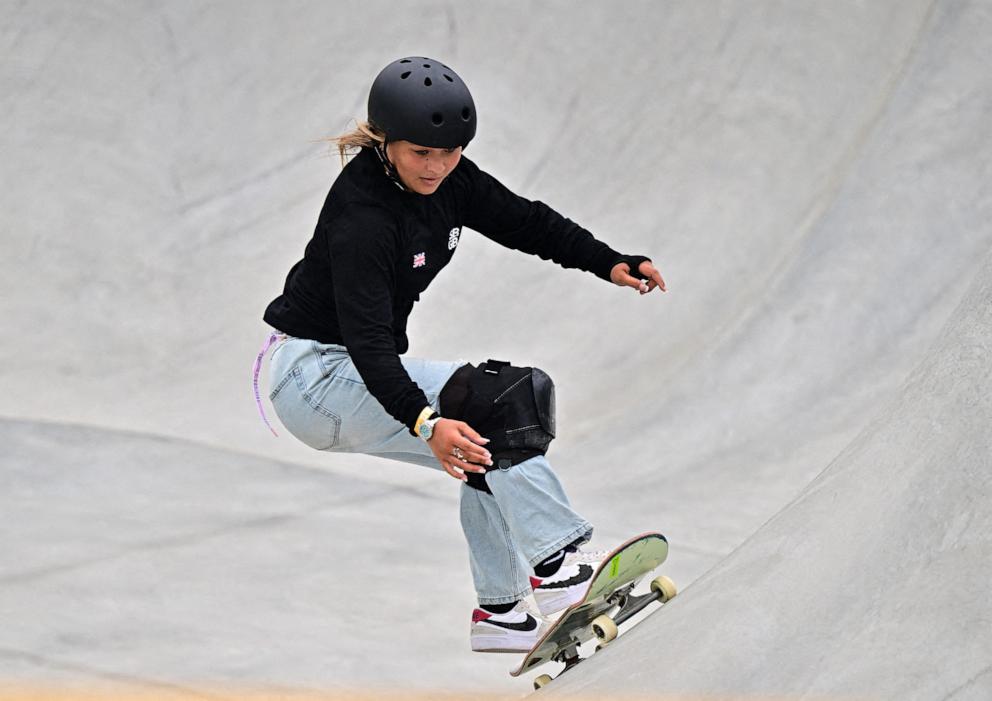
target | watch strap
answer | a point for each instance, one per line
(427, 413)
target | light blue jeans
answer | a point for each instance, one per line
(321, 399)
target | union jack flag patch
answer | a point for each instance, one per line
(419, 260)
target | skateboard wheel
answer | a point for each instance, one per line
(664, 586)
(542, 681)
(604, 629)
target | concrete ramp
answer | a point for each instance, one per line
(873, 583)
(811, 177)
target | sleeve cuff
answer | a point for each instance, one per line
(605, 262)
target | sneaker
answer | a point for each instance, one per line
(569, 584)
(514, 631)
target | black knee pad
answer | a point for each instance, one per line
(513, 407)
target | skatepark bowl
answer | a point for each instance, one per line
(241, 695)
(805, 414)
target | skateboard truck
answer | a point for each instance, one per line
(606, 628)
(569, 657)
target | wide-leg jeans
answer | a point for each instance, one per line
(320, 398)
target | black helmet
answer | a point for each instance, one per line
(423, 101)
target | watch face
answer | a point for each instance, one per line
(426, 430)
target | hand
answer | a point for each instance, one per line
(458, 448)
(645, 279)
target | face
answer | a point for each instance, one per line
(422, 169)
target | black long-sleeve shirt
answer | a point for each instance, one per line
(377, 247)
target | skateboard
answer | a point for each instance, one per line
(611, 588)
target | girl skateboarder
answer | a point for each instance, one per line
(391, 222)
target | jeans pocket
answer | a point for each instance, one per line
(303, 414)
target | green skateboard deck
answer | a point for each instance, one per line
(610, 589)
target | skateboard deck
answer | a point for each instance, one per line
(611, 588)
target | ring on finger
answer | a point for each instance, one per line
(457, 452)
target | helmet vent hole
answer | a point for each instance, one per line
(466, 113)
(427, 65)
(405, 75)
(427, 82)
(437, 118)
(449, 78)
(406, 60)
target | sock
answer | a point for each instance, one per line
(498, 608)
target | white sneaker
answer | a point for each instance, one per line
(514, 631)
(569, 584)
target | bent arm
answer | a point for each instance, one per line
(362, 251)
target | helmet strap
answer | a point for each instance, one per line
(388, 166)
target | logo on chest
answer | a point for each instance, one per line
(419, 260)
(453, 236)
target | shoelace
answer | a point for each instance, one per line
(589, 556)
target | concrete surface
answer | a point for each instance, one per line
(811, 178)
(873, 582)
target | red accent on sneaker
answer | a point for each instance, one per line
(480, 615)
(535, 582)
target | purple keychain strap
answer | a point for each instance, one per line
(272, 340)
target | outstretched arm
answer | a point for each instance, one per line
(531, 226)
(534, 227)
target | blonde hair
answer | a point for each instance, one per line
(364, 135)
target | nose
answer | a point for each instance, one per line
(435, 165)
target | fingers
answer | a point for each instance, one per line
(454, 471)
(644, 279)
(654, 277)
(628, 280)
(469, 445)
(648, 278)
(457, 468)
(470, 457)
(640, 284)
(459, 448)
(471, 434)
(480, 460)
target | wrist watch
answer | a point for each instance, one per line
(426, 428)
